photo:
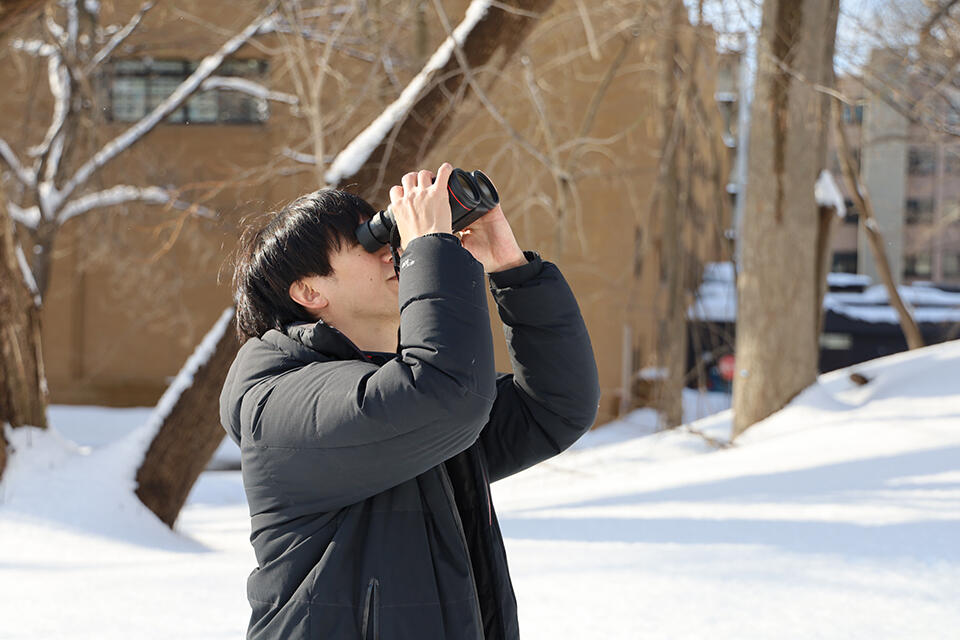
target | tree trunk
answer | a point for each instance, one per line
(778, 316)
(671, 331)
(191, 432)
(433, 111)
(43, 238)
(23, 399)
(187, 438)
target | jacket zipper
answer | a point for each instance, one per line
(463, 539)
(371, 612)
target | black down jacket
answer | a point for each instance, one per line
(368, 475)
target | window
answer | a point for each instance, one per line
(917, 265)
(853, 216)
(138, 86)
(951, 265)
(919, 211)
(853, 115)
(844, 262)
(921, 162)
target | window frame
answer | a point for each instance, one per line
(154, 71)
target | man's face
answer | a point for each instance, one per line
(362, 288)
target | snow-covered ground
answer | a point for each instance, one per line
(838, 517)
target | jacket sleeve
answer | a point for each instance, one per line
(347, 430)
(551, 398)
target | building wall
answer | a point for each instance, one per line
(912, 175)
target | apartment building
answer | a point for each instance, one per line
(912, 174)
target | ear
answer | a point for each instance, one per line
(307, 292)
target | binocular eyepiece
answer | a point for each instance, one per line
(471, 196)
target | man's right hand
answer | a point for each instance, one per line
(421, 205)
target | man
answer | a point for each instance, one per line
(367, 464)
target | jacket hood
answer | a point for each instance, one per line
(276, 352)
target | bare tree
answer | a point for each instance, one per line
(778, 295)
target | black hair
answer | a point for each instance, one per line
(290, 244)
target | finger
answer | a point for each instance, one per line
(443, 175)
(409, 182)
(396, 192)
(424, 178)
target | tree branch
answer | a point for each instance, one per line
(117, 39)
(25, 177)
(249, 87)
(51, 149)
(121, 194)
(861, 200)
(931, 22)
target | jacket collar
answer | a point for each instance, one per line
(312, 341)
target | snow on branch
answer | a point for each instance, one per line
(118, 38)
(55, 30)
(36, 48)
(121, 194)
(29, 217)
(52, 146)
(828, 194)
(28, 278)
(299, 156)
(248, 87)
(355, 154)
(170, 104)
(26, 178)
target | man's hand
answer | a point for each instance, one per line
(491, 241)
(421, 207)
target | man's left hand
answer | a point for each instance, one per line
(491, 241)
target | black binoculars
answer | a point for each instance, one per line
(471, 196)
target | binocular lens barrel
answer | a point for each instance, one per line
(471, 196)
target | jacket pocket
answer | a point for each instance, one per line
(371, 612)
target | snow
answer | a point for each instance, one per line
(653, 373)
(716, 299)
(33, 47)
(29, 217)
(355, 154)
(928, 304)
(837, 517)
(848, 280)
(828, 194)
